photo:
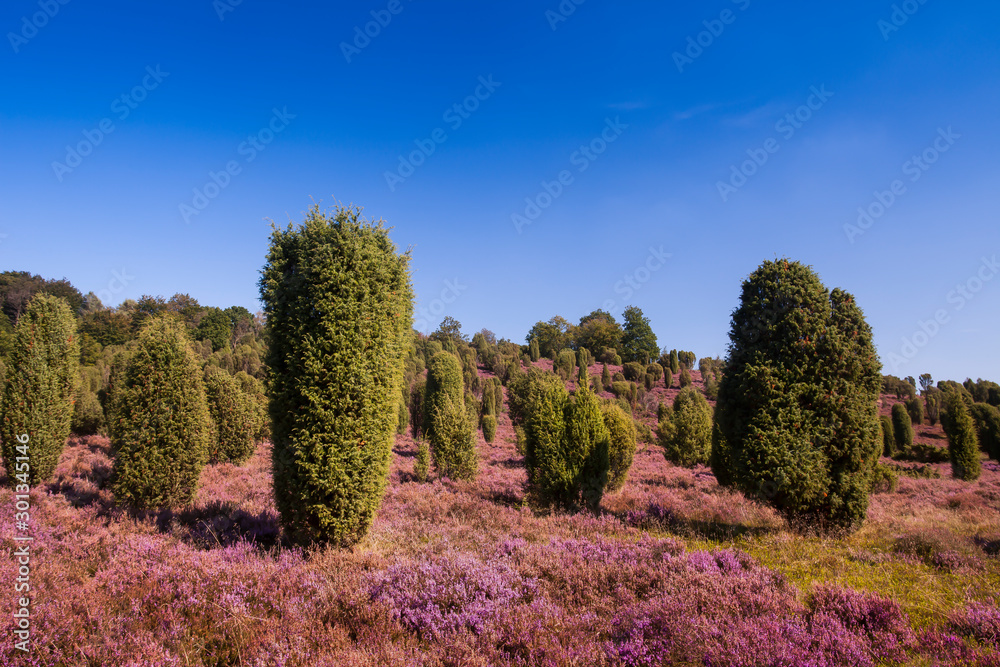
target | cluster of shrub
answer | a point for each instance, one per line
(166, 410)
(600, 334)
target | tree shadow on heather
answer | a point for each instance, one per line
(218, 525)
(657, 517)
(84, 484)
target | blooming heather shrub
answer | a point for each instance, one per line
(902, 429)
(796, 422)
(489, 428)
(686, 437)
(980, 622)
(877, 620)
(422, 465)
(621, 448)
(88, 415)
(448, 594)
(987, 421)
(963, 444)
(685, 380)
(633, 371)
(339, 308)
(888, 436)
(453, 445)
(42, 374)
(234, 415)
(158, 419)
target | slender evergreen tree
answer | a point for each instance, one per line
(963, 444)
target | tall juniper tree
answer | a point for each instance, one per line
(796, 421)
(339, 308)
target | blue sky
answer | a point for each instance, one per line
(640, 109)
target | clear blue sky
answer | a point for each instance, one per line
(678, 124)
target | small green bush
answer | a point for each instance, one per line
(566, 363)
(453, 445)
(668, 378)
(915, 408)
(654, 370)
(489, 428)
(633, 371)
(235, 418)
(606, 376)
(254, 388)
(902, 428)
(444, 380)
(617, 377)
(417, 407)
(888, 436)
(533, 351)
(884, 479)
(963, 444)
(158, 419)
(675, 362)
(685, 378)
(987, 420)
(621, 450)
(489, 401)
(626, 390)
(686, 437)
(422, 465)
(88, 415)
(596, 385)
(648, 382)
(42, 375)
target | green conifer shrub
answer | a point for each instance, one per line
(42, 367)
(586, 450)
(235, 418)
(915, 408)
(796, 422)
(902, 429)
(533, 351)
(685, 380)
(422, 465)
(987, 421)
(633, 371)
(686, 434)
(566, 363)
(417, 395)
(648, 381)
(158, 419)
(489, 401)
(963, 444)
(444, 380)
(452, 440)
(339, 309)
(654, 370)
(606, 376)
(888, 436)
(489, 428)
(621, 448)
(254, 388)
(668, 378)
(675, 362)
(88, 415)
(597, 386)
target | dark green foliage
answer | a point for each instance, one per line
(497, 397)
(686, 359)
(633, 371)
(597, 386)
(254, 388)
(618, 377)
(606, 376)
(583, 358)
(638, 342)
(626, 390)
(915, 408)
(884, 479)
(403, 418)
(422, 465)
(449, 333)
(599, 333)
(339, 308)
(926, 382)
(235, 418)
(888, 436)
(686, 432)
(712, 387)
(668, 378)
(520, 441)
(473, 409)
(796, 423)
(902, 428)
(655, 371)
(18, 288)
(88, 415)
(963, 444)
(648, 381)
(453, 444)
(417, 394)
(215, 327)
(552, 336)
(489, 428)
(609, 356)
(444, 380)
(158, 419)
(900, 388)
(42, 373)
(987, 421)
(566, 364)
(621, 448)
(533, 352)
(663, 411)
(489, 401)
(585, 457)
(675, 362)
(544, 400)
(685, 380)
(932, 402)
